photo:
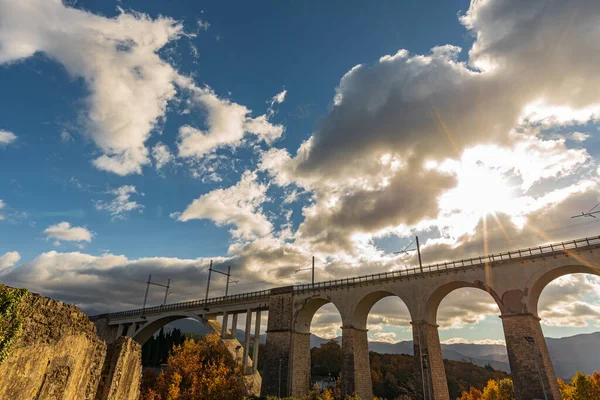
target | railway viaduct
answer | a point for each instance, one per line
(514, 279)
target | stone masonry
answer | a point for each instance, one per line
(430, 374)
(527, 364)
(355, 361)
(279, 344)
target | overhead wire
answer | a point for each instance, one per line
(513, 238)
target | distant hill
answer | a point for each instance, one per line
(575, 353)
(568, 354)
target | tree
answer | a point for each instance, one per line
(494, 390)
(472, 394)
(491, 391)
(202, 370)
(506, 389)
(326, 359)
(156, 350)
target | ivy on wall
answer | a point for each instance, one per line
(10, 319)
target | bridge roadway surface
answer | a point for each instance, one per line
(515, 279)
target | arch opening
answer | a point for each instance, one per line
(568, 307)
(471, 334)
(317, 328)
(387, 319)
(158, 336)
(540, 282)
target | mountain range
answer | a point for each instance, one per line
(569, 354)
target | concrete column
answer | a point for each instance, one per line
(256, 342)
(430, 374)
(531, 368)
(234, 324)
(356, 369)
(224, 326)
(119, 331)
(130, 330)
(247, 340)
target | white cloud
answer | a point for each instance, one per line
(464, 307)
(237, 205)
(105, 283)
(460, 340)
(227, 124)
(6, 138)
(388, 337)
(365, 164)
(129, 84)
(161, 154)
(2, 205)
(202, 25)
(563, 301)
(8, 260)
(65, 136)
(65, 232)
(121, 205)
(279, 97)
(579, 136)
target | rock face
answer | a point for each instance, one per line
(122, 372)
(49, 349)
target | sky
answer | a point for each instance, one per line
(142, 138)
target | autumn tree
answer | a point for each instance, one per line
(197, 370)
(472, 394)
(501, 389)
(582, 387)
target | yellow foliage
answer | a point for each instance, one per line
(197, 370)
(491, 391)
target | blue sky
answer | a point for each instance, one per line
(149, 137)
(243, 55)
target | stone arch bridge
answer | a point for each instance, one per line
(514, 279)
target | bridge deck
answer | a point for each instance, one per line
(521, 255)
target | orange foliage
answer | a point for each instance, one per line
(197, 370)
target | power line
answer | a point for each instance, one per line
(589, 213)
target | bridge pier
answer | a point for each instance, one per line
(528, 361)
(356, 370)
(430, 374)
(279, 361)
(256, 343)
(247, 341)
(224, 326)
(300, 364)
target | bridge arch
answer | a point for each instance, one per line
(304, 316)
(543, 278)
(360, 312)
(146, 331)
(437, 295)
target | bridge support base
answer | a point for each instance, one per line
(430, 373)
(356, 370)
(528, 356)
(277, 359)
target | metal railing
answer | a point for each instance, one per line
(497, 258)
(516, 255)
(187, 305)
